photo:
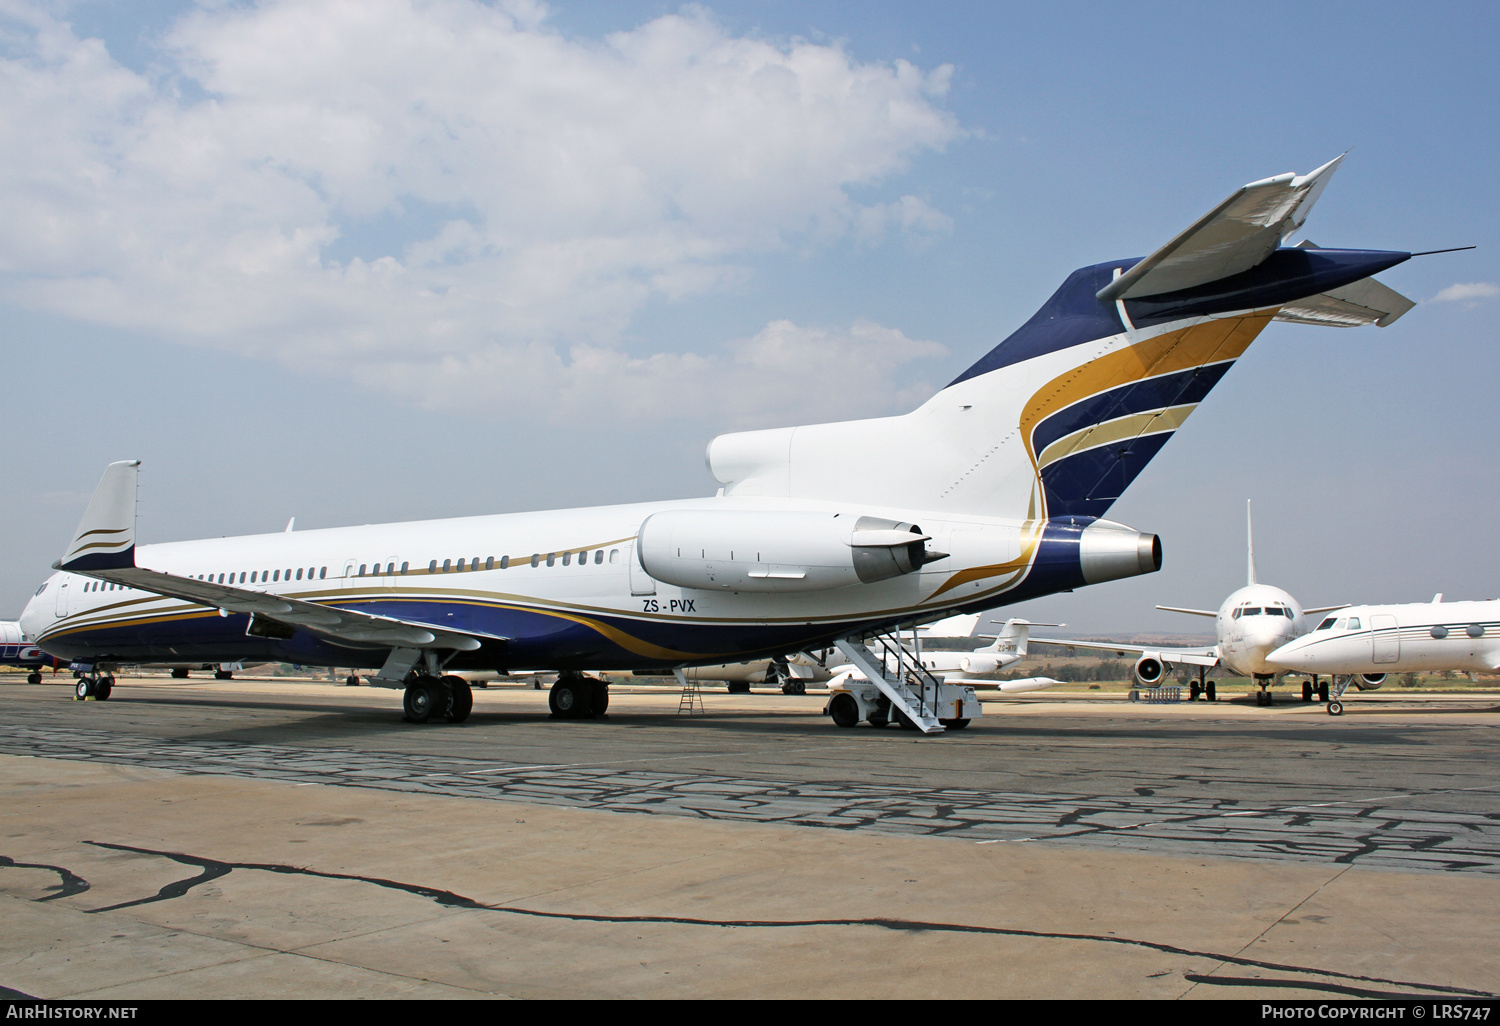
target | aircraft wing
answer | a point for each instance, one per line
(332, 622)
(1190, 656)
(1233, 237)
(104, 547)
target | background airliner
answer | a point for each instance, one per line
(1251, 623)
(17, 649)
(1361, 644)
(991, 492)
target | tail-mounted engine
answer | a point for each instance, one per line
(778, 551)
(1369, 681)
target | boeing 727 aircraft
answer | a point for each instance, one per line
(991, 492)
(1361, 644)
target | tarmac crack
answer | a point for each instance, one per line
(213, 869)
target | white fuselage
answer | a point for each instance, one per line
(1252, 623)
(1419, 636)
(528, 576)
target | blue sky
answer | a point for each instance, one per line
(469, 259)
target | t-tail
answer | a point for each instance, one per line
(1053, 424)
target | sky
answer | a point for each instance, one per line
(382, 260)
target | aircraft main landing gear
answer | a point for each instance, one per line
(97, 687)
(576, 697)
(426, 696)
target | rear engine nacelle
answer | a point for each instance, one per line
(1369, 681)
(776, 550)
(1150, 670)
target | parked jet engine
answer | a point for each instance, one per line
(1149, 669)
(778, 551)
(1369, 681)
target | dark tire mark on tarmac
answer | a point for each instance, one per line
(214, 869)
(71, 884)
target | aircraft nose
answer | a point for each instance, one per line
(34, 617)
(1291, 656)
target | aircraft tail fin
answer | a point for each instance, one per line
(1060, 417)
(105, 539)
(1250, 544)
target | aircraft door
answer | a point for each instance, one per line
(641, 583)
(61, 609)
(1385, 639)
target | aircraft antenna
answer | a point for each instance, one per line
(1250, 541)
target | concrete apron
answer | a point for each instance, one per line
(128, 883)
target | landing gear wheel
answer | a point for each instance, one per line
(601, 698)
(1323, 692)
(351, 681)
(179, 672)
(223, 675)
(739, 687)
(1307, 691)
(793, 687)
(1335, 708)
(33, 678)
(1213, 691)
(462, 702)
(102, 689)
(83, 689)
(959, 724)
(424, 697)
(1193, 691)
(844, 710)
(570, 699)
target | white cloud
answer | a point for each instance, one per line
(1471, 293)
(401, 190)
(783, 372)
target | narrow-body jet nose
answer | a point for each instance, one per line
(1298, 655)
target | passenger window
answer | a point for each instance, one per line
(460, 564)
(504, 562)
(432, 567)
(252, 576)
(567, 559)
(322, 573)
(362, 569)
(551, 559)
(474, 563)
(242, 577)
(535, 558)
(404, 567)
(299, 573)
(489, 563)
(277, 576)
(614, 555)
(598, 556)
(447, 565)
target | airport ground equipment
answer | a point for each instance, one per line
(896, 687)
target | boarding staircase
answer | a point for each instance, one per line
(893, 668)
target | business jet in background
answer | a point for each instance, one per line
(990, 493)
(1250, 624)
(1362, 644)
(793, 673)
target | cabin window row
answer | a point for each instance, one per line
(266, 576)
(464, 564)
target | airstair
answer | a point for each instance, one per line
(909, 690)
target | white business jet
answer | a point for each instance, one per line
(991, 492)
(1251, 623)
(1361, 644)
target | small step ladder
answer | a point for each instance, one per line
(900, 677)
(692, 699)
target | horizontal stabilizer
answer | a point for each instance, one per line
(1233, 237)
(106, 535)
(1363, 302)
